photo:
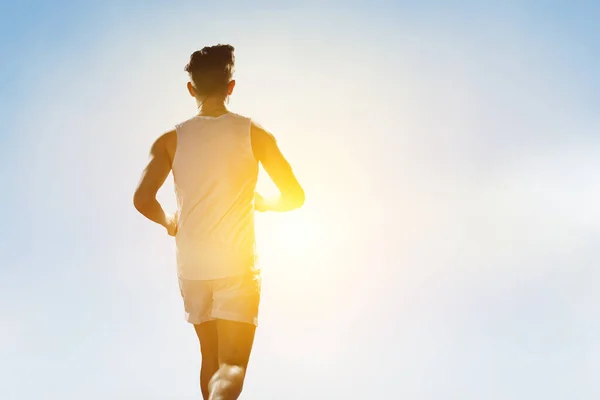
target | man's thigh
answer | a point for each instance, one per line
(209, 343)
(235, 306)
(235, 342)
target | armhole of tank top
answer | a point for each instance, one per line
(176, 146)
(250, 140)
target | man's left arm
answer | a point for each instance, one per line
(153, 177)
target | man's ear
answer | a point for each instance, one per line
(230, 87)
(191, 89)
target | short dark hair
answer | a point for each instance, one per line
(211, 69)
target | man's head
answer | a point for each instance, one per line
(211, 71)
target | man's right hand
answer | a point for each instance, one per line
(260, 204)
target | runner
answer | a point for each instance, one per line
(214, 157)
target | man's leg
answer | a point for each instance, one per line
(209, 346)
(235, 345)
(197, 300)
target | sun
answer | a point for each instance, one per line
(280, 235)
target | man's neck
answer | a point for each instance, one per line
(212, 107)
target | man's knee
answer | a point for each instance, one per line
(229, 381)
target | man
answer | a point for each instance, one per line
(214, 157)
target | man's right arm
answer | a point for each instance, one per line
(269, 155)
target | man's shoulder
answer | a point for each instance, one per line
(259, 133)
(262, 141)
(165, 143)
(166, 138)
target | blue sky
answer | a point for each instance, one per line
(449, 245)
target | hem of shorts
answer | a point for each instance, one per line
(234, 317)
(195, 321)
(183, 277)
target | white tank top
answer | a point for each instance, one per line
(215, 175)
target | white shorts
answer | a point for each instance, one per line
(234, 298)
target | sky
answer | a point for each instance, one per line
(448, 248)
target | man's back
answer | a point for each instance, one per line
(215, 175)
